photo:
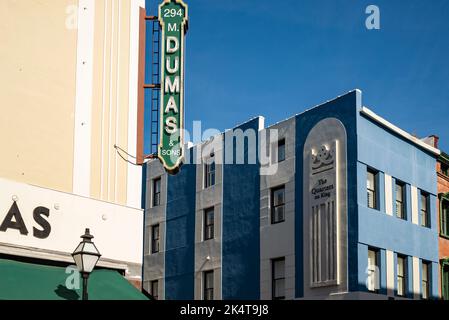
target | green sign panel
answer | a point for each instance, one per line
(173, 21)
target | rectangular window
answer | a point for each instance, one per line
(281, 150)
(445, 217)
(371, 188)
(278, 278)
(208, 282)
(373, 270)
(156, 192)
(401, 275)
(209, 174)
(445, 280)
(155, 239)
(277, 205)
(400, 200)
(445, 169)
(209, 224)
(155, 289)
(425, 280)
(425, 221)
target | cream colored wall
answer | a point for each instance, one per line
(38, 65)
(38, 60)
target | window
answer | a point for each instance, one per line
(155, 289)
(371, 187)
(208, 283)
(373, 270)
(277, 205)
(209, 224)
(425, 280)
(401, 275)
(425, 221)
(281, 150)
(156, 192)
(445, 280)
(278, 278)
(155, 239)
(400, 197)
(445, 217)
(209, 174)
(445, 169)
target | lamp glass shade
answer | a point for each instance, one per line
(86, 256)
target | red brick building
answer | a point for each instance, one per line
(443, 205)
(443, 211)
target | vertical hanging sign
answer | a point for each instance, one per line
(173, 21)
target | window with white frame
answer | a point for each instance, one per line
(400, 200)
(155, 239)
(278, 278)
(425, 282)
(208, 285)
(156, 192)
(209, 174)
(425, 217)
(209, 224)
(371, 189)
(401, 274)
(373, 270)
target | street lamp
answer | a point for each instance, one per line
(86, 256)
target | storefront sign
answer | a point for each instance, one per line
(173, 21)
(14, 221)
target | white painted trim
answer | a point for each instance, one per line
(416, 278)
(388, 195)
(373, 116)
(117, 98)
(103, 98)
(390, 272)
(111, 56)
(415, 215)
(134, 174)
(83, 100)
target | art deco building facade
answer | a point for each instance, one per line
(345, 208)
(69, 79)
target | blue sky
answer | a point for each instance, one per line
(278, 58)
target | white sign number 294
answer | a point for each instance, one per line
(172, 13)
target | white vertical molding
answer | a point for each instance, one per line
(416, 278)
(117, 97)
(390, 272)
(134, 174)
(103, 99)
(388, 195)
(83, 100)
(111, 64)
(415, 216)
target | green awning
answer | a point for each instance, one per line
(27, 281)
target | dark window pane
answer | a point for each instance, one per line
(208, 282)
(371, 188)
(155, 289)
(155, 239)
(401, 275)
(277, 205)
(156, 192)
(281, 150)
(209, 224)
(278, 278)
